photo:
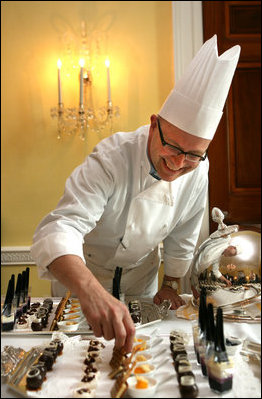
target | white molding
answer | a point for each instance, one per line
(16, 256)
(187, 39)
(187, 33)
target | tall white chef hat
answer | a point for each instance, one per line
(196, 103)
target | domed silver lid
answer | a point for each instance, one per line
(228, 265)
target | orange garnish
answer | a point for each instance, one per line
(140, 358)
(144, 368)
(142, 383)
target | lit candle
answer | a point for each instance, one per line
(107, 62)
(81, 63)
(59, 64)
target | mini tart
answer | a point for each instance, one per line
(93, 348)
(36, 324)
(92, 357)
(91, 368)
(22, 323)
(88, 381)
(96, 343)
(34, 379)
(82, 392)
(35, 305)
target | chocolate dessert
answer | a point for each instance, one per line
(59, 344)
(184, 369)
(84, 393)
(36, 324)
(188, 387)
(34, 379)
(48, 359)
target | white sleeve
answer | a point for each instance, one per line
(62, 231)
(215, 268)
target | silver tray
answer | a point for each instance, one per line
(236, 311)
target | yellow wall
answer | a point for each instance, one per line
(137, 37)
(38, 288)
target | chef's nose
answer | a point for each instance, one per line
(178, 160)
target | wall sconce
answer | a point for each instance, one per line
(85, 118)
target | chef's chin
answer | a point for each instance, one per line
(168, 174)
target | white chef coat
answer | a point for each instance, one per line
(114, 213)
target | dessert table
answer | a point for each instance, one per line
(246, 380)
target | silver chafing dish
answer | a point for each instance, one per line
(228, 266)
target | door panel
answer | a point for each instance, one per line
(235, 152)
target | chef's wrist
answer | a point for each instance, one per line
(171, 282)
(169, 278)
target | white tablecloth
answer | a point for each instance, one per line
(246, 381)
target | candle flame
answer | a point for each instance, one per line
(107, 62)
(59, 63)
(81, 62)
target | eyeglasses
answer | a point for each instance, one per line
(177, 151)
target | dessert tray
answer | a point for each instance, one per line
(64, 379)
(69, 318)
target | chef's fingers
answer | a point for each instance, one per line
(108, 330)
(124, 332)
(130, 333)
(177, 302)
(157, 299)
(97, 329)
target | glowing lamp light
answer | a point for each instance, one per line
(107, 63)
(59, 63)
(81, 62)
(246, 245)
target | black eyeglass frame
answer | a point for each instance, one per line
(165, 143)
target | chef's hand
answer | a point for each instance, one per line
(225, 280)
(195, 292)
(168, 293)
(107, 316)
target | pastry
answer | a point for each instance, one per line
(89, 381)
(92, 357)
(36, 324)
(48, 359)
(22, 323)
(83, 392)
(188, 387)
(34, 379)
(90, 368)
(96, 342)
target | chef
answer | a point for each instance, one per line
(134, 191)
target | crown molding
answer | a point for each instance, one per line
(16, 256)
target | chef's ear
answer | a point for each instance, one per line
(153, 120)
